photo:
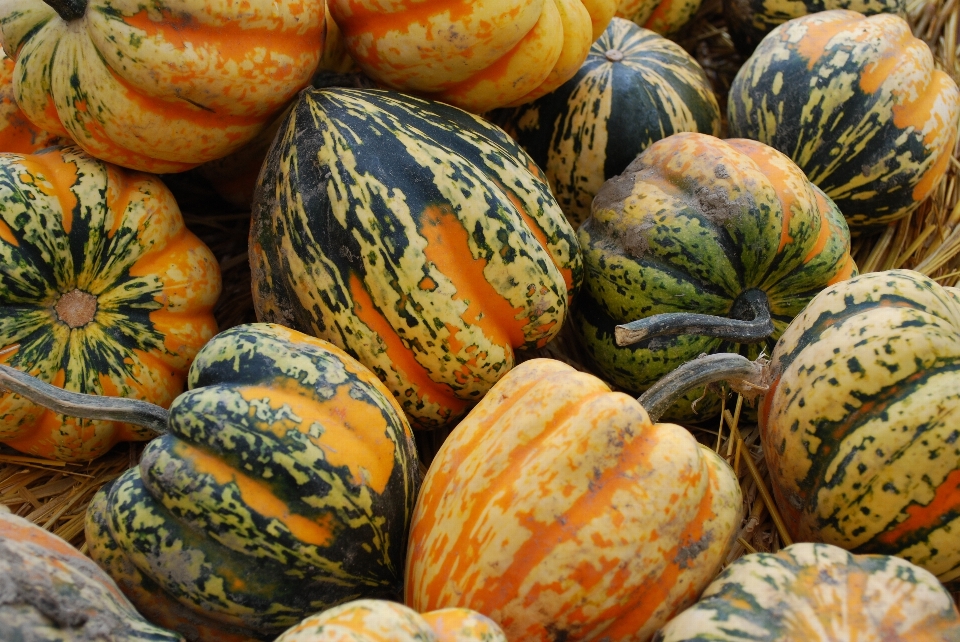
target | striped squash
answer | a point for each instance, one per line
(383, 621)
(857, 103)
(431, 252)
(560, 511)
(696, 224)
(634, 88)
(859, 428)
(818, 593)
(662, 16)
(160, 86)
(103, 290)
(285, 486)
(476, 55)
(52, 593)
(17, 133)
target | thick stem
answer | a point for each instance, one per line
(749, 322)
(743, 375)
(68, 9)
(75, 404)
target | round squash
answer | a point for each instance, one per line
(383, 621)
(284, 487)
(817, 592)
(730, 229)
(162, 86)
(557, 509)
(17, 133)
(661, 16)
(857, 104)
(52, 593)
(430, 252)
(475, 55)
(103, 290)
(634, 88)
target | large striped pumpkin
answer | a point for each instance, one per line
(859, 428)
(414, 235)
(160, 86)
(103, 290)
(17, 133)
(560, 511)
(476, 55)
(634, 88)
(701, 225)
(857, 103)
(285, 486)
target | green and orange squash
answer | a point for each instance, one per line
(417, 237)
(859, 106)
(818, 593)
(728, 230)
(163, 86)
(17, 133)
(103, 290)
(664, 17)
(634, 88)
(557, 509)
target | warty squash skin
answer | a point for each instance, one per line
(17, 133)
(103, 290)
(163, 86)
(284, 487)
(50, 592)
(818, 593)
(417, 237)
(559, 511)
(858, 105)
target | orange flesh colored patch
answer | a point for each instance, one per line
(826, 231)
(6, 235)
(929, 516)
(819, 34)
(379, 24)
(119, 192)
(354, 431)
(257, 496)
(62, 177)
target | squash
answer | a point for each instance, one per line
(431, 252)
(17, 134)
(726, 238)
(477, 55)
(857, 104)
(163, 86)
(818, 592)
(557, 509)
(664, 17)
(634, 88)
(103, 290)
(383, 621)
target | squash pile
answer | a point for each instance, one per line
(443, 189)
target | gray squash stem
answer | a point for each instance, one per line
(75, 404)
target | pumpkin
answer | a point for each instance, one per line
(430, 252)
(17, 134)
(103, 290)
(818, 593)
(53, 593)
(477, 55)
(383, 621)
(857, 104)
(557, 509)
(728, 238)
(634, 88)
(664, 17)
(160, 87)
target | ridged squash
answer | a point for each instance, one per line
(662, 16)
(17, 133)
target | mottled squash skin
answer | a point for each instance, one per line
(50, 592)
(103, 290)
(17, 133)
(662, 16)
(818, 593)
(431, 252)
(859, 428)
(285, 487)
(857, 104)
(559, 511)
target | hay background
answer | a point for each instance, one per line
(55, 494)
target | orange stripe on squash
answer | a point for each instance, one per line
(945, 501)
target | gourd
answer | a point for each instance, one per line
(103, 290)
(477, 56)
(858, 105)
(662, 16)
(160, 87)
(559, 510)
(710, 246)
(383, 621)
(634, 88)
(17, 134)
(53, 593)
(430, 252)
(809, 592)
